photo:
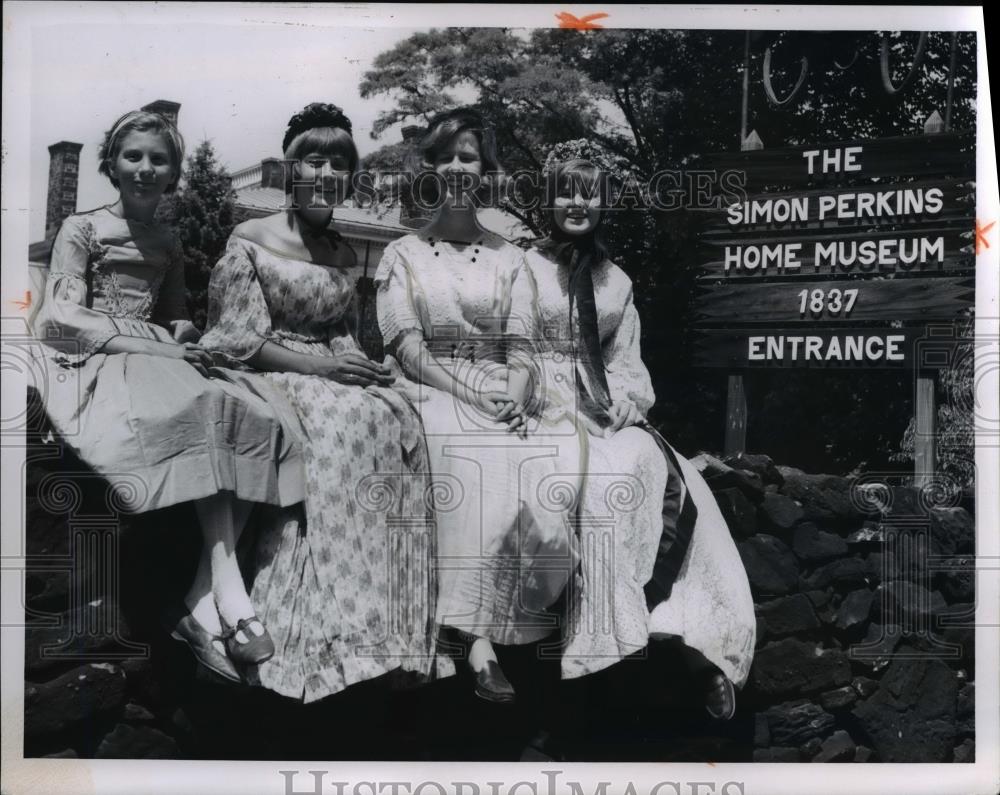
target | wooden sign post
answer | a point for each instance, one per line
(838, 256)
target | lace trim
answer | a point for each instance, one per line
(117, 301)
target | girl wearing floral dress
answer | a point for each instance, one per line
(670, 551)
(130, 394)
(348, 591)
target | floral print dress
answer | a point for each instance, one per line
(348, 593)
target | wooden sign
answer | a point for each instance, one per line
(770, 348)
(934, 202)
(926, 251)
(835, 245)
(941, 154)
(906, 299)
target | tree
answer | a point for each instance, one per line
(202, 213)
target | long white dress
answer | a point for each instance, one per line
(622, 502)
(504, 506)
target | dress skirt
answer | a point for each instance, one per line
(162, 434)
(504, 510)
(346, 587)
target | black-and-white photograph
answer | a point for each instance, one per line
(499, 384)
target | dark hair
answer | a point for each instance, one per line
(441, 130)
(322, 128)
(140, 121)
(574, 172)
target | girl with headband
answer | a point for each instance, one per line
(133, 398)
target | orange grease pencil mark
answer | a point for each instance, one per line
(24, 305)
(981, 241)
(570, 22)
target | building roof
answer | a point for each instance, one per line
(377, 221)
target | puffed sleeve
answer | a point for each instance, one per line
(239, 322)
(171, 303)
(400, 303)
(628, 378)
(65, 321)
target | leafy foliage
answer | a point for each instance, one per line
(202, 213)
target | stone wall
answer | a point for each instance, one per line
(865, 647)
(849, 664)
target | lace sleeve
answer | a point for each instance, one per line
(400, 303)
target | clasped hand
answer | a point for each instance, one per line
(355, 370)
(504, 408)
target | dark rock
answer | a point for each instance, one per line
(862, 754)
(761, 465)
(776, 755)
(771, 567)
(965, 709)
(864, 686)
(875, 651)
(958, 584)
(966, 752)
(47, 648)
(796, 722)
(810, 747)
(846, 574)
(910, 603)
(136, 713)
(953, 531)
(824, 498)
(729, 478)
(870, 536)
(875, 568)
(839, 699)
(905, 501)
(852, 615)
(819, 599)
(911, 717)
(792, 667)
(812, 545)
(79, 695)
(761, 734)
(787, 616)
(838, 747)
(142, 742)
(779, 513)
(68, 753)
(738, 511)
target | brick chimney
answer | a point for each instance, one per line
(165, 108)
(272, 173)
(64, 173)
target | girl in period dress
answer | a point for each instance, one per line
(670, 551)
(348, 593)
(445, 311)
(132, 398)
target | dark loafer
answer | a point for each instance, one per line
(187, 629)
(256, 649)
(725, 708)
(492, 685)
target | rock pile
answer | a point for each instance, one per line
(865, 646)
